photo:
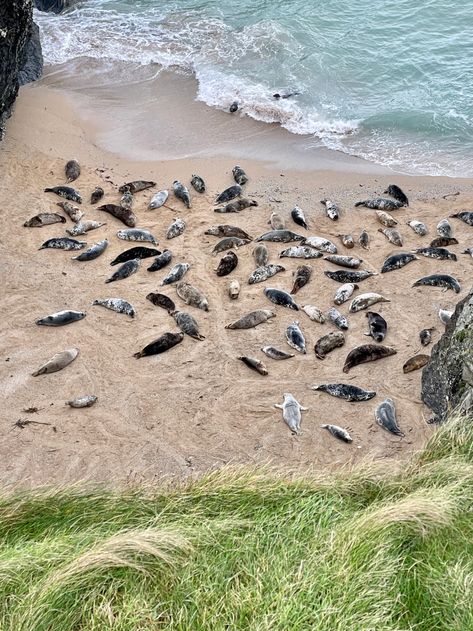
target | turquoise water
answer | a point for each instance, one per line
(389, 81)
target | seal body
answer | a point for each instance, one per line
(378, 327)
(386, 219)
(229, 242)
(327, 343)
(252, 319)
(425, 336)
(336, 318)
(237, 206)
(74, 213)
(363, 301)
(444, 229)
(234, 289)
(468, 251)
(227, 264)
(72, 170)
(57, 362)
(345, 276)
(138, 252)
(264, 272)
(295, 338)
(445, 316)
(380, 203)
(93, 252)
(298, 217)
(364, 240)
(126, 200)
(85, 401)
(280, 236)
(136, 186)
(61, 318)
(261, 255)
(441, 254)
(466, 216)
(439, 280)
(418, 227)
(116, 304)
(176, 228)
(344, 261)
(345, 391)
(385, 415)
(97, 195)
(301, 277)
(233, 107)
(239, 175)
(227, 231)
(158, 200)
(415, 362)
(397, 261)
(125, 270)
(280, 297)
(320, 243)
(228, 194)
(366, 353)
(188, 324)
(316, 315)
(338, 432)
(198, 183)
(291, 412)
(182, 193)
(392, 235)
(331, 208)
(161, 300)
(344, 292)
(44, 219)
(347, 240)
(137, 234)
(443, 242)
(192, 296)
(397, 193)
(65, 191)
(275, 353)
(63, 243)
(84, 226)
(126, 215)
(301, 252)
(176, 273)
(160, 261)
(276, 221)
(254, 364)
(161, 345)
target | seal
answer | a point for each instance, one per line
(264, 272)
(160, 261)
(65, 191)
(345, 391)
(57, 362)
(126, 200)
(366, 353)
(397, 193)
(60, 318)
(316, 315)
(158, 200)
(254, 364)
(295, 338)
(344, 261)
(74, 213)
(280, 236)
(380, 203)
(331, 208)
(442, 242)
(364, 240)
(386, 219)
(198, 183)
(363, 301)
(233, 289)
(276, 221)
(233, 107)
(392, 235)
(125, 270)
(116, 304)
(397, 261)
(162, 344)
(327, 343)
(425, 336)
(347, 240)
(416, 362)
(439, 280)
(136, 186)
(192, 296)
(344, 293)
(237, 206)
(63, 243)
(252, 319)
(378, 327)
(298, 217)
(227, 264)
(418, 227)
(97, 194)
(187, 324)
(239, 175)
(176, 228)
(338, 432)
(93, 252)
(44, 219)
(85, 401)
(445, 315)
(320, 243)
(161, 300)
(182, 193)
(301, 277)
(291, 412)
(261, 255)
(72, 170)
(440, 254)
(227, 231)
(345, 276)
(275, 353)
(336, 318)
(84, 226)
(137, 234)
(468, 251)
(301, 252)
(229, 242)
(465, 215)
(138, 252)
(280, 297)
(385, 415)
(175, 274)
(228, 194)
(444, 229)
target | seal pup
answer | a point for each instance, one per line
(347, 240)
(86, 401)
(444, 229)
(468, 251)
(228, 194)
(275, 353)
(364, 240)
(74, 213)
(327, 343)
(276, 221)
(336, 318)
(126, 200)
(439, 280)
(295, 338)
(176, 273)
(233, 289)
(63, 243)
(44, 219)
(331, 208)
(237, 206)
(233, 107)
(345, 391)
(301, 277)
(385, 415)
(264, 272)
(280, 297)
(440, 254)
(158, 200)
(380, 203)
(182, 193)
(93, 252)
(96, 194)
(72, 170)
(84, 226)
(136, 186)
(239, 175)
(229, 242)
(320, 243)
(378, 327)
(418, 227)
(176, 228)
(291, 412)
(425, 336)
(116, 304)
(227, 231)
(415, 362)
(254, 364)
(397, 261)
(57, 362)
(162, 344)
(338, 432)
(301, 252)
(344, 293)
(316, 315)
(344, 261)
(345, 276)
(386, 219)
(227, 264)
(198, 183)
(443, 242)
(161, 300)
(65, 191)
(445, 316)
(366, 353)
(363, 301)
(465, 215)
(252, 319)
(188, 324)
(392, 235)
(261, 255)
(192, 296)
(298, 217)
(137, 234)
(280, 236)
(160, 261)
(397, 193)
(60, 318)
(138, 252)
(125, 270)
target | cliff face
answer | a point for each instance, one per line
(55, 6)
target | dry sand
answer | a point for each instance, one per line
(195, 406)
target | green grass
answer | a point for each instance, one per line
(377, 549)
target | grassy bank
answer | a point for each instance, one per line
(371, 550)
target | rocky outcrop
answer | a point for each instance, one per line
(33, 66)
(447, 380)
(54, 6)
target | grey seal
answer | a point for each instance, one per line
(72, 170)
(161, 300)
(331, 208)
(298, 217)
(182, 193)
(188, 324)
(60, 318)
(442, 242)
(233, 289)
(280, 297)
(239, 175)
(75, 214)
(233, 107)
(345, 391)
(237, 206)
(344, 293)
(275, 353)
(425, 336)
(252, 319)
(392, 235)
(415, 362)
(116, 304)
(229, 242)
(397, 193)
(44, 219)
(301, 252)
(176, 228)
(280, 236)
(345, 276)
(85, 401)
(228, 194)
(227, 264)
(57, 362)
(192, 296)
(291, 412)
(160, 261)
(418, 227)
(468, 251)
(397, 261)
(63, 243)
(162, 344)
(364, 240)
(138, 252)
(320, 243)
(126, 215)
(295, 338)
(93, 252)
(227, 231)
(385, 415)
(126, 200)
(327, 343)
(363, 301)
(440, 254)
(136, 186)
(198, 183)
(65, 191)
(137, 234)
(276, 221)
(338, 432)
(158, 200)
(264, 272)
(302, 276)
(175, 274)
(315, 314)
(347, 240)
(336, 318)
(96, 195)
(125, 270)
(465, 215)
(344, 261)
(439, 280)
(261, 255)
(386, 219)
(444, 229)
(254, 364)
(82, 227)
(378, 327)
(380, 203)
(366, 353)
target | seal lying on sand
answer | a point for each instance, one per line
(136, 186)
(72, 170)
(252, 319)
(385, 415)
(291, 412)
(162, 344)
(65, 191)
(338, 432)
(93, 252)
(57, 362)
(366, 353)
(345, 391)
(44, 219)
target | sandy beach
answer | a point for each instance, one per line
(196, 406)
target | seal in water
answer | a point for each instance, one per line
(93, 252)
(57, 362)
(126, 200)
(176, 228)
(385, 415)
(397, 261)
(161, 300)
(331, 208)
(280, 236)
(443, 242)
(187, 324)
(380, 203)
(418, 227)
(320, 243)
(465, 215)
(416, 362)
(97, 194)
(228, 194)
(74, 213)
(233, 107)
(198, 183)
(316, 315)
(386, 219)
(160, 261)
(72, 170)
(444, 229)
(425, 336)
(252, 319)
(116, 304)
(347, 240)
(229, 242)
(126, 215)
(338, 432)
(439, 280)
(136, 186)
(85, 401)
(192, 296)
(392, 235)
(276, 221)
(445, 316)
(364, 240)
(237, 206)
(126, 269)
(65, 191)
(137, 234)
(63, 243)
(182, 193)
(138, 252)
(345, 276)
(336, 318)
(345, 391)
(366, 353)
(227, 264)
(254, 364)
(264, 272)
(84, 226)
(301, 252)
(44, 219)
(175, 274)
(295, 338)
(327, 343)
(233, 289)
(61, 318)
(227, 231)
(301, 277)
(378, 327)
(158, 200)
(275, 353)
(344, 261)
(280, 297)
(437, 253)
(291, 412)
(397, 193)
(298, 217)
(162, 344)
(344, 293)
(239, 175)
(363, 301)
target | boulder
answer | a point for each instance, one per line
(53, 6)
(33, 66)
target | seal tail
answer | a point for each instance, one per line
(359, 204)
(138, 355)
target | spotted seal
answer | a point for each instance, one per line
(163, 301)
(254, 364)
(85, 401)
(227, 264)
(261, 255)
(344, 261)
(301, 252)
(264, 272)
(65, 191)
(344, 293)
(63, 243)
(93, 252)
(439, 280)
(385, 415)
(198, 183)
(295, 338)
(44, 219)
(335, 317)
(125, 215)
(280, 236)
(228, 194)
(366, 353)
(415, 362)
(345, 276)
(315, 314)
(276, 221)
(228, 243)
(227, 231)
(182, 193)
(57, 362)
(239, 175)
(192, 296)
(160, 261)
(275, 353)
(60, 318)
(96, 195)
(378, 327)
(82, 227)
(327, 343)
(347, 240)
(440, 254)
(162, 344)
(338, 432)
(298, 217)
(345, 391)
(116, 304)
(363, 301)
(188, 324)
(418, 227)
(176, 228)
(280, 297)
(158, 200)
(136, 186)
(380, 203)
(445, 316)
(175, 274)
(138, 252)
(72, 170)
(291, 412)
(425, 336)
(386, 219)
(125, 270)
(465, 215)
(302, 276)
(397, 261)
(233, 289)
(331, 208)
(75, 214)
(320, 243)
(397, 193)
(444, 229)
(126, 200)
(392, 235)
(364, 240)
(237, 206)
(442, 242)
(252, 319)
(137, 234)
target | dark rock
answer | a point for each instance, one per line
(33, 66)
(53, 6)
(447, 380)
